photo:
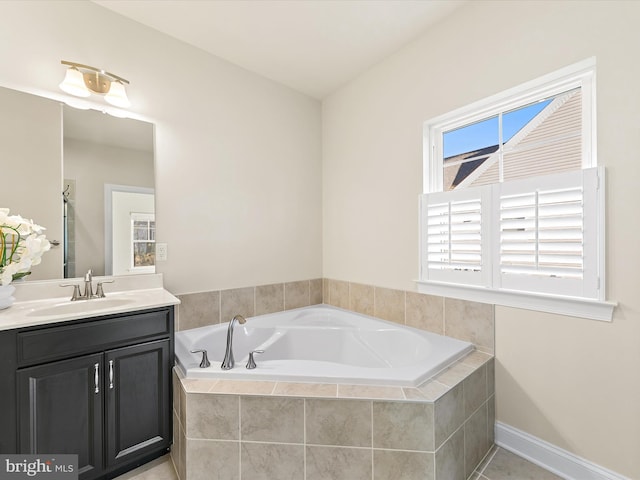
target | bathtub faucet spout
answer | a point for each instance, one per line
(229, 362)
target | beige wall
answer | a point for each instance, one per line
(570, 381)
(237, 156)
(31, 132)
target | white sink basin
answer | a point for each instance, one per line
(80, 306)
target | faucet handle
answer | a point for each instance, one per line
(76, 290)
(251, 364)
(100, 290)
(205, 360)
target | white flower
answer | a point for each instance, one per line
(8, 272)
(35, 246)
(21, 246)
(6, 276)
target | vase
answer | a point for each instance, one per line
(6, 299)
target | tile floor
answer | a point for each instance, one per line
(499, 465)
(159, 469)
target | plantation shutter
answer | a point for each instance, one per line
(547, 234)
(535, 235)
(453, 237)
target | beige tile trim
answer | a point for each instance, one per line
(428, 392)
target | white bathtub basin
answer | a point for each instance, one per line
(321, 344)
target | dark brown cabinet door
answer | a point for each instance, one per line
(60, 411)
(98, 388)
(137, 400)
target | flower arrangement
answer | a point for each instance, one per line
(22, 245)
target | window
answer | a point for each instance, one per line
(143, 241)
(514, 204)
(535, 139)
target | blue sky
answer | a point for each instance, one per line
(485, 133)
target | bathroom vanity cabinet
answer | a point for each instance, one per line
(99, 388)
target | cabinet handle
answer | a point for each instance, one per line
(110, 374)
(96, 376)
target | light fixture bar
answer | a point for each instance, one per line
(82, 80)
(94, 69)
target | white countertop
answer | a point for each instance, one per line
(34, 306)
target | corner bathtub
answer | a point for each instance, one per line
(321, 344)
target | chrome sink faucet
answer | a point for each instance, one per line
(88, 288)
(229, 362)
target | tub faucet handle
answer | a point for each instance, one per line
(205, 360)
(251, 364)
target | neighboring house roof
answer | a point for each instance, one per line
(453, 176)
(549, 142)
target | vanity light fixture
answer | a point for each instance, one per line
(83, 80)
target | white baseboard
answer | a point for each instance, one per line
(548, 456)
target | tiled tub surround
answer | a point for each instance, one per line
(219, 306)
(233, 429)
(469, 321)
(229, 429)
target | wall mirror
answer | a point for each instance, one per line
(107, 194)
(87, 177)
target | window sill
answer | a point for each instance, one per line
(571, 306)
(139, 270)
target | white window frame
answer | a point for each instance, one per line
(147, 217)
(580, 75)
